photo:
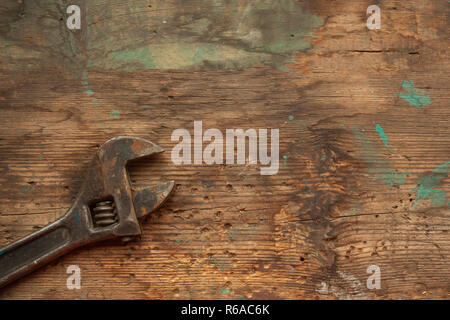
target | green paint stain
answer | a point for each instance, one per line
(341, 124)
(230, 235)
(89, 92)
(25, 189)
(438, 197)
(393, 178)
(95, 101)
(376, 164)
(383, 136)
(322, 157)
(291, 117)
(85, 76)
(114, 114)
(134, 59)
(225, 291)
(203, 53)
(40, 158)
(285, 157)
(416, 98)
(178, 240)
(426, 185)
(222, 268)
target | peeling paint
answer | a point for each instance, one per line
(416, 98)
(383, 136)
(114, 114)
(215, 34)
(210, 34)
(376, 164)
(285, 157)
(427, 185)
(225, 291)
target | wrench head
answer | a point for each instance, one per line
(108, 179)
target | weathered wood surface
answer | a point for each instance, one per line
(342, 200)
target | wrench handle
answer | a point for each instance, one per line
(34, 251)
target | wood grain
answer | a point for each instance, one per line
(340, 202)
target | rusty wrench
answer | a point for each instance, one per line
(105, 209)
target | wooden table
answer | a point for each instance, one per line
(363, 117)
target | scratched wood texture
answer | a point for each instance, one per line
(347, 194)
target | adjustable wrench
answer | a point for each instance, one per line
(105, 208)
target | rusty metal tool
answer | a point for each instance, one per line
(105, 208)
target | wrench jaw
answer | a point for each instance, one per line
(149, 199)
(111, 160)
(116, 152)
